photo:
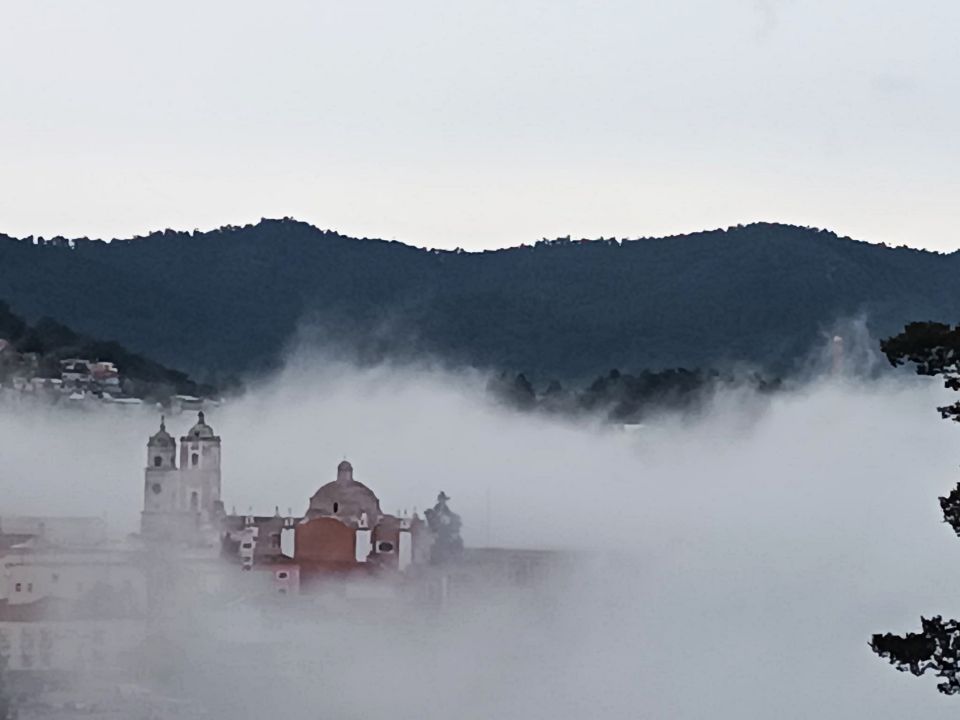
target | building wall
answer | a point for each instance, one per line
(325, 540)
(279, 579)
(72, 610)
(173, 525)
(385, 540)
(83, 531)
(161, 489)
(74, 646)
(200, 473)
(30, 577)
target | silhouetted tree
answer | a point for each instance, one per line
(936, 648)
(517, 391)
(934, 350)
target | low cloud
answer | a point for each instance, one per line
(729, 565)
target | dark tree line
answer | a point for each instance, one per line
(623, 397)
(230, 300)
(934, 350)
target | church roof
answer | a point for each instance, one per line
(341, 486)
(347, 499)
(200, 429)
(162, 438)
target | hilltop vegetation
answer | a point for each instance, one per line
(231, 300)
(36, 350)
(623, 397)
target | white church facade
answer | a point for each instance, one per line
(181, 501)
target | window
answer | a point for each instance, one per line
(195, 459)
(18, 587)
(385, 547)
(336, 506)
(275, 540)
(156, 488)
(247, 545)
(157, 461)
(194, 500)
(282, 575)
(29, 587)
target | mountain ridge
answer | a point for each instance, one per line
(231, 300)
(64, 241)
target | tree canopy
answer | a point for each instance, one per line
(230, 301)
(51, 342)
(934, 350)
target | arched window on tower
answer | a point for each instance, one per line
(194, 500)
(336, 506)
(195, 459)
(157, 461)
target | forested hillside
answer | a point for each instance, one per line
(228, 301)
(49, 342)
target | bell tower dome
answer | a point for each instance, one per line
(162, 449)
(200, 469)
(161, 485)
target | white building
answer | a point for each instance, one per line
(76, 607)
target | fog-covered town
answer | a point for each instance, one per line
(475, 360)
(81, 607)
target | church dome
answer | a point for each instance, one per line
(345, 499)
(200, 429)
(162, 438)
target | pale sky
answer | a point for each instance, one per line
(482, 124)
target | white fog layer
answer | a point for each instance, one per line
(731, 566)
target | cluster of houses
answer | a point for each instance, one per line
(75, 380)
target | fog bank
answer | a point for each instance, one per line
(738, 561)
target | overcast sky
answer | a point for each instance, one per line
(482, 124)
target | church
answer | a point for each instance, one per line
(343, 532)
(73, 600)
(182, 502)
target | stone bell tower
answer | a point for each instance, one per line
(200, 471)
(161, 486)
(182, 504)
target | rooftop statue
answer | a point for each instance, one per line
(445, 526)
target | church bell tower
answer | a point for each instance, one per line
(161, 485)
(200, 470)
(181, 503)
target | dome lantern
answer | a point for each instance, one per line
(200, 430)
(161, 438)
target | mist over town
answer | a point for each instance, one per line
(763, 527)
(480, 360)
